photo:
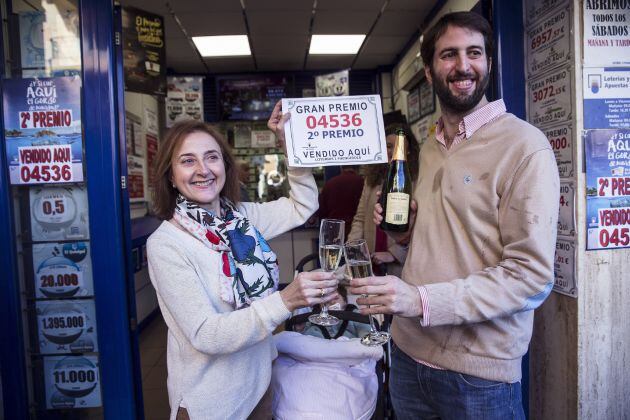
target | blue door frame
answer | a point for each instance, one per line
(109, 235)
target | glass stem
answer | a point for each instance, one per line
(373, 329)
(324, 311)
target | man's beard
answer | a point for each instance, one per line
(459, 103)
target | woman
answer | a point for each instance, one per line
(216, 277)
(383, 249)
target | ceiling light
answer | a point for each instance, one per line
(222, 46)
(336, 44)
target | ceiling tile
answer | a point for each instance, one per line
(221, 23)
(328, 62)
(398, 23)
(372, 61)
(335, 23)
(280, 46)
(278, 5)
(275, 63)
(421, 6)
(353, 5)
(230, 64)
(282, 22)
(384, 44)
(181, 6)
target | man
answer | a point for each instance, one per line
(340, 196)
(481, 249)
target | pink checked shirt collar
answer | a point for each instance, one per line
(472, 122)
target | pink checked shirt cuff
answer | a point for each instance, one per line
(424, 300)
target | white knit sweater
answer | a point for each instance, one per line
(219, 359)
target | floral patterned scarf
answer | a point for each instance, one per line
(249, 266)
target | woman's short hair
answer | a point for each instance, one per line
(164, 194)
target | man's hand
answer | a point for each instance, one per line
(382, 257)
(401, 238)
(387, 295)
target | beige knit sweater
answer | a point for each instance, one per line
(483, 246)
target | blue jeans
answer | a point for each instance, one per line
(420, 392)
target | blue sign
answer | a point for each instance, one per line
(607, 154)
(606, 97)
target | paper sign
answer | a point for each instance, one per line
(62, 270)
(333, 84)
(561, 139)
(263, 138)
(536, 9)
(335, 131)
(59, 213)
(72, 382)
(549, 43)
(66, 326)
(606, 97)
(606, 33)
(564, 268)
(549, 98)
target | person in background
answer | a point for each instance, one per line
(243, 178)
(481, 251)
(383, 249)
(216, 277)
(340, 195)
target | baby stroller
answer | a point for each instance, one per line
(326, 374)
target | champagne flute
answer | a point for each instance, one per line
(358, 259)
(331, 235)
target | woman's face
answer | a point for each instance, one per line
(198, 170)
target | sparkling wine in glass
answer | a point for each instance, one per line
(331, 235)
(358, 259)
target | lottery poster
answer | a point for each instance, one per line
(42, 120)
(66, 326)
(72, 382)
(607, 154)
(62, 270)
(59, 213)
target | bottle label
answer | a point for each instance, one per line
(397, 208)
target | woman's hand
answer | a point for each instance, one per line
(310, 288)
(276, 124)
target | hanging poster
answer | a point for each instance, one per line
(606, 97)
(564, 268)
(62, 270)
(184, 99)
(250, 98)
(607, 154)
(606, 33)
(333, 84)
(72, 382)
(536, 9)
(242, 135)
(66, 326)
(42, 120)
(561, 139)
(144, 53)
(152, 148)
(549, 98)
(151, 121)
(135, 157)
(548, 43)
(335, 130)
(413, 105)
(566, 218)
(59, 213)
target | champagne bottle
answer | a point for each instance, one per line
(396, 195)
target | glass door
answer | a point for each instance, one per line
(66, 302)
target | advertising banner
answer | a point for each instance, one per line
(42, 120)
(72, 382)
(335, 131)
(549, 43)
(59, 213)
(62, 270)
(606, 33)
(549, 98)
(66, 326)
(607, 154)
(184, 99)
(606, 97)
(144, 52)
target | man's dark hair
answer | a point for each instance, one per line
(468, 20)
